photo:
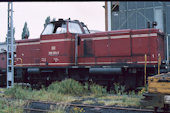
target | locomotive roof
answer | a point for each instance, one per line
(62, 20)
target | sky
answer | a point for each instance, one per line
(35, 13)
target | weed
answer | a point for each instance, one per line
(132, 93)
(16, 92)
(97, 90)
(119, 89)
(11, 107)
(23, 93)
(143, 90)
(77, 110)
(59, 109)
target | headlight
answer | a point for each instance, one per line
(166, 67)
(167, 99)
(163, 61)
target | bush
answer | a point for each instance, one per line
(56, 91)
(70, 86)
(17, 92)
(67, 86)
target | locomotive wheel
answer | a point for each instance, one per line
(166, 108)
(155, 109)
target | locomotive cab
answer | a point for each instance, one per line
(65, 26)
(57, 42)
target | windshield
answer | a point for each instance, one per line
(48, 30)
(55, 28)
(74, 28)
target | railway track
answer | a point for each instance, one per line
(43, 107)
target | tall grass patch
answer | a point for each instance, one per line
(119, 89)
(68, 86)
(11, 106)
(97, 90)
(24, 93)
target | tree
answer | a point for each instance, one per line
(25, 32)
(47, 20)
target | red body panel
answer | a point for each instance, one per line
(128, 46)
(28, 52)
(57, 50)
(104, 48)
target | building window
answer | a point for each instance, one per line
(115, 6)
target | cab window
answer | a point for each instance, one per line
(48, 29)
(55, 28)
(62, 29)
(74, 28)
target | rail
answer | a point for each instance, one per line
(79, 105)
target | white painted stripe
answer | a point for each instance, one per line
(56, 40)
(144, 35)
(60, 63)
(121, 36)
(87, 63)
(84, 63)
(28, 43)
(87, 66)
(116, 62)
(74, 66)
(103, 38)
(26, 64)
(122, 62)
(148, 62)
(100, 62)
(44, 41)
(93, 38)
(42, 63)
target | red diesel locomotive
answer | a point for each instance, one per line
(66, 49)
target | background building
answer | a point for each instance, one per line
(138, 15)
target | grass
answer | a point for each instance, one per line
(68, 91)
(88, 102)
(59, 109)
(11, 106)
(97, 90)
(64, 91)
(2, 90)
(68, 86)
(23, 93)
(119, 100)
(118, 89)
